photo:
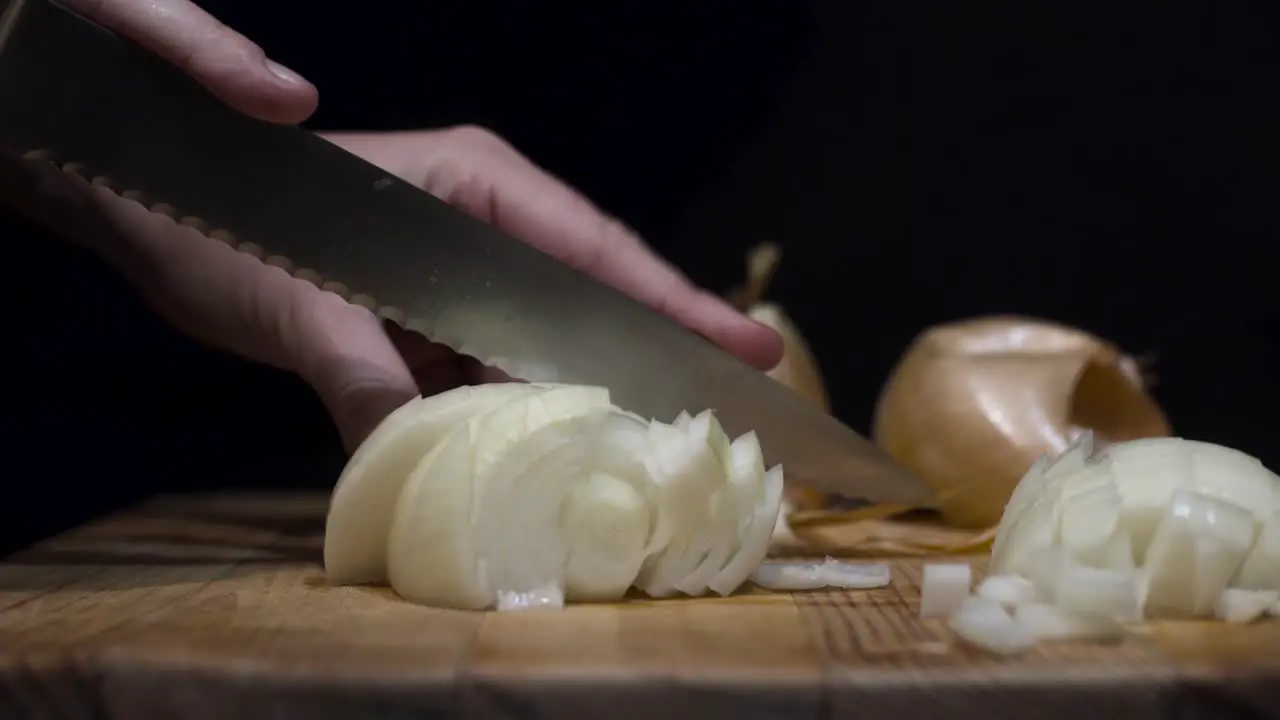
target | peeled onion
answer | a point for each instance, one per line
(971, 406)
(1147, 528)
(1093, 539)
(525, 496)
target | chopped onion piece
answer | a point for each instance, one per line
(1008, 590)
(755, 542)
(1047, 563)
(1237, 605)
(1197, 548)
(1261, 569)
(688, 471)
(789, 576)
(943, 588)
(1047, 622)
(1094, 592)
(544, 598)
(855, 576)
(986, 624)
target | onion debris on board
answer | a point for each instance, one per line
(830, 573)
(972, 404)
(1098, 538)
(521, 496)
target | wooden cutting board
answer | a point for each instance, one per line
(216, 607)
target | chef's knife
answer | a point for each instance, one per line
(89, 96)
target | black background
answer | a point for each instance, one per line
(1111, 165)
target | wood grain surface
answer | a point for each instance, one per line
(216, 607)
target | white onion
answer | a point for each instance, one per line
(521, 496)
(943, 588)
(1147, 528)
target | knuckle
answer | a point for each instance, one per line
(475, 138)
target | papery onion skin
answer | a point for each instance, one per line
(798, 369)
(972, 404)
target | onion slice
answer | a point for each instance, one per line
(789, 576)
(855, 576)
(364, 501)
(687, 471)
(828, 573)
(756, 537)
(432, 551)
(544, 598)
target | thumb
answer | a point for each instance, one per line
(224, 61)
(343, 352)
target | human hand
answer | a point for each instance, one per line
(363, 369)
(228, 64)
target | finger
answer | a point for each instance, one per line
(478, 172)
(225, 298)
(342, 351)
(438, 367)
(225, 62)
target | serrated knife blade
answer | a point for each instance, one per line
(87, 95)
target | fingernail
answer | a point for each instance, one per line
(285, 73)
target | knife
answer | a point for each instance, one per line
(85, 94)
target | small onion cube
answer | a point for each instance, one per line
(943, 588)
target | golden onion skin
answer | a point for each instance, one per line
(972, 404)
